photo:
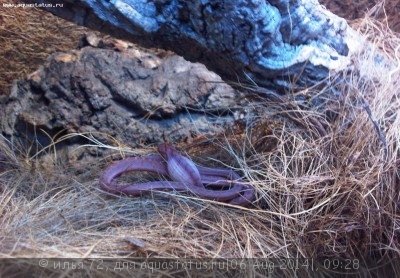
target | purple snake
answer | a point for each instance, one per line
(207, 183)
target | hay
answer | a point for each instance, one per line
(331, 196)
(27, 37)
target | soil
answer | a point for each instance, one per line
(383, 11)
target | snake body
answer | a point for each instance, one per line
(208, 183)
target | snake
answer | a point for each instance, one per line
(217, 184)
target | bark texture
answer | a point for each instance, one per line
(285, 45)
(112, 87)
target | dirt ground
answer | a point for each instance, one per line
(387, 11)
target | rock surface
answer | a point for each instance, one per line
(111, 87)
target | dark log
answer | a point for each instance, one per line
(285, 45)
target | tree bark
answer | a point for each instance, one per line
(281, 44)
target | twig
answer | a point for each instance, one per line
(378, 129)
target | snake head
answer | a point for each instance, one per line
(180, 168)
(166, 149)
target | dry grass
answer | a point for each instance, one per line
(333, 196)
(27, 38)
